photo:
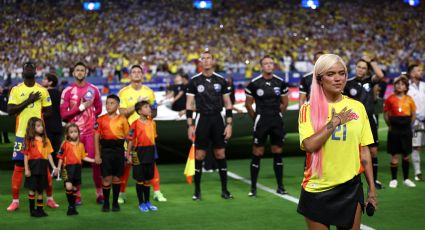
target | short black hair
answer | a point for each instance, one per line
(136, 66)
(52, 78)
(266, 56)
(185, 76)
(113, 96)
(410, 68)
(29, 64)
(81, 64)
(139, 105)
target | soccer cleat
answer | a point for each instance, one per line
(252, 193)
(226, 195)
(409, 183)
(378, 185)
(143, 207)
(158, 196)
(99, 199)
(122, 198)
(71, 211)
(196, 196)
(36, 213)
(418, 177)
(116, 208)
(52, 204)
(13, 206)
(151, 207)
(42, 212)
(393, 184)
(281, 191)
(105, 208)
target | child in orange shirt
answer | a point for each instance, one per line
(37, 156)
(111, 129)
(400, 115)
(70, 156)
(141, 138)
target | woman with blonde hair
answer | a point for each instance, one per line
(335, 133)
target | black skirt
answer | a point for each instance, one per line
(333, 207)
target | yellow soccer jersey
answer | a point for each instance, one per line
(129, 97)
(341, 152)
(19, 94)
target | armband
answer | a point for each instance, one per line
(189, 113)
(229, 113)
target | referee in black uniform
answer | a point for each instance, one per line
(270, 94)
(210, 92)
(362, 88)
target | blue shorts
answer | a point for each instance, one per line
(17, 149)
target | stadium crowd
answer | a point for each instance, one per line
(167, 36)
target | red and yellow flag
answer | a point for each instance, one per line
(189, 170)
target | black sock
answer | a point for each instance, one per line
(375, 168)
(74, 197)
(198, 174)
(106, 193)
(222, 169)
(139, 191)
(405, 167)
(255, 169)
(31, 199)
(40, 204)
(394, 168)
(278, 169)
(115, 192)
(146, 192)
(69, 197)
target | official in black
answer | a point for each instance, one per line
(209, 92)
(270, 94)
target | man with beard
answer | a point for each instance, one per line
(28, 99)
(81, 104)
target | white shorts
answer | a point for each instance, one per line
(418, 139)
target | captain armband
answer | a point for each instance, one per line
(229, 113)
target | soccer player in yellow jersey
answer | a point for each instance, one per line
(27, 99)
(334, 131)
(129, 96)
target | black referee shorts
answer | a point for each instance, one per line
(268, 125)
(210, 128)
(113, 161)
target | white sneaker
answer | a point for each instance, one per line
(409, 183)
(393, 184)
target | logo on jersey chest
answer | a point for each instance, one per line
(200, 88)
(353, 92)
(276, 91)
(89, 95)
(260, 92)
(217, 87)
(367, 87)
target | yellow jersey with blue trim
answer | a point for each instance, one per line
(18, 95)
(130, 96)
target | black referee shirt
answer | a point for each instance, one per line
(362, 90)
(305, 84)
(208, 92)
(267, 94)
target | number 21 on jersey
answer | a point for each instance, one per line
(340, 133)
